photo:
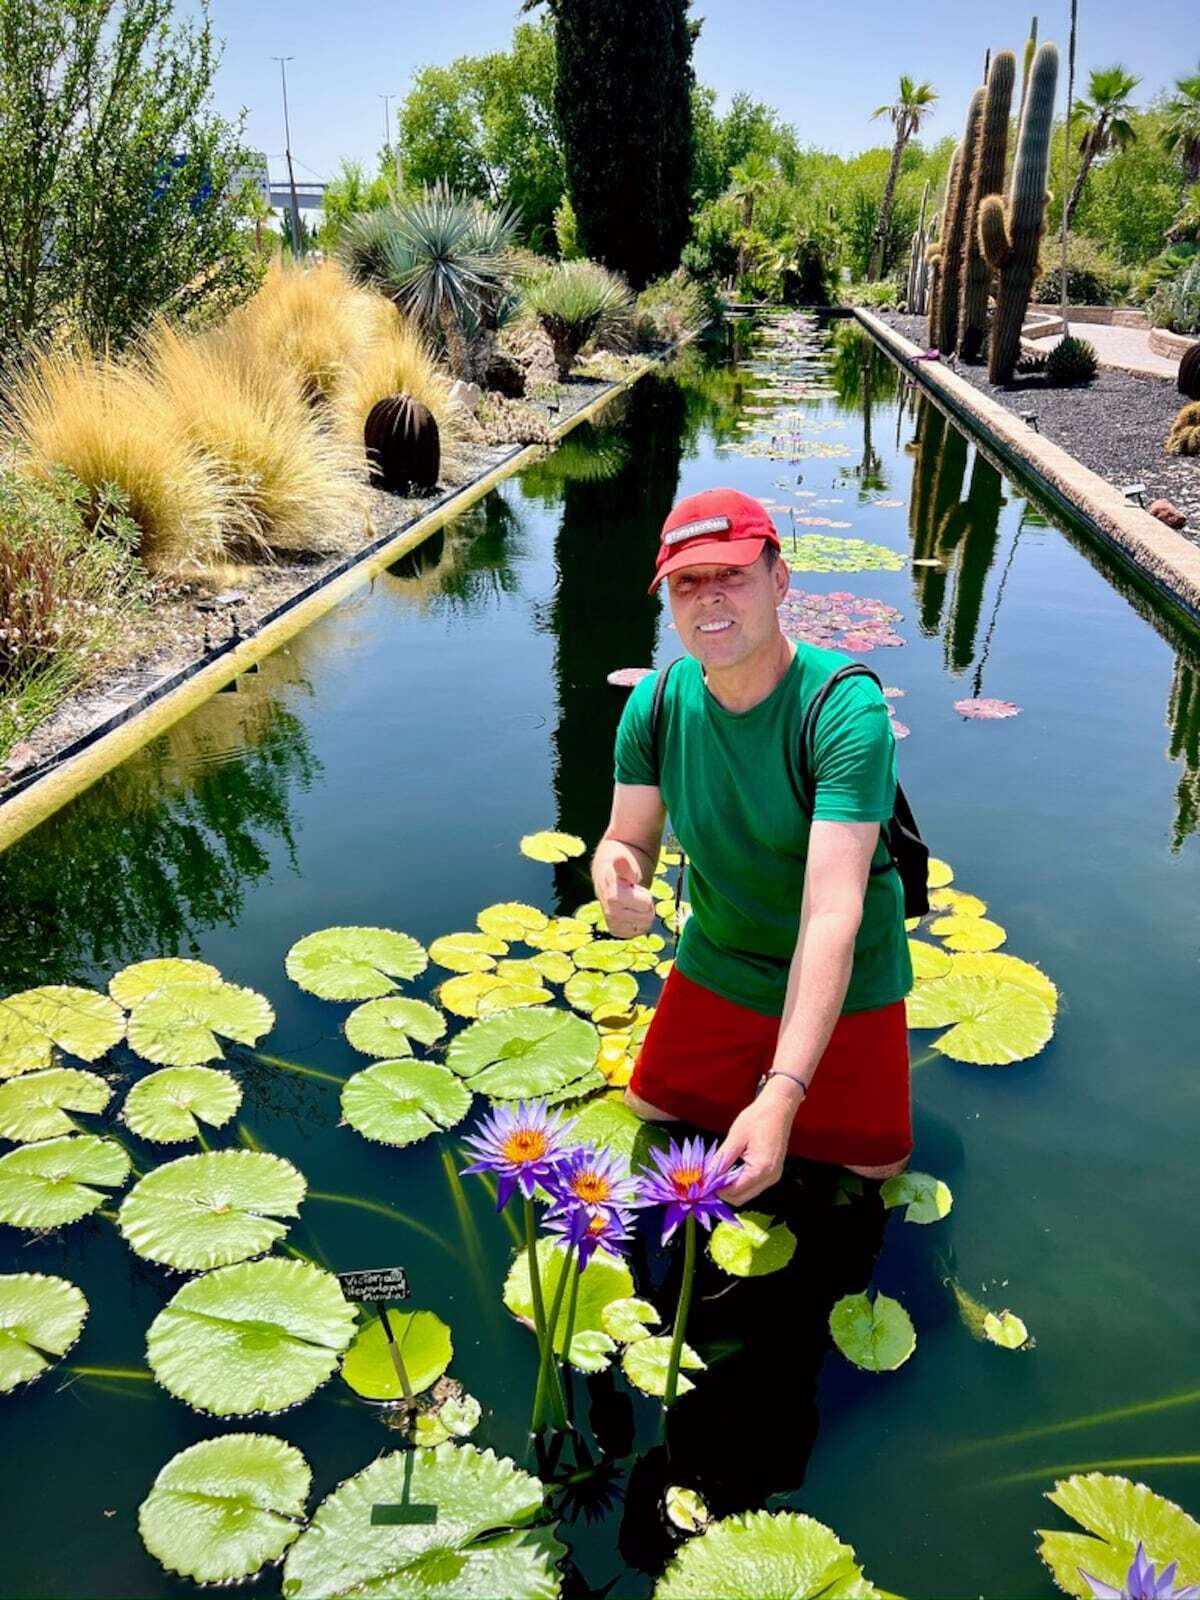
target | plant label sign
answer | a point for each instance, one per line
(375, 1284)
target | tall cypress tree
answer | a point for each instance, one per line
(622, 101)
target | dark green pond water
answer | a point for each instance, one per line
(381, 769)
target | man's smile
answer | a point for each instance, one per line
(715, 627)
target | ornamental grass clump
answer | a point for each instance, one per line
(399, 362)
(578, 301)
(670, 309)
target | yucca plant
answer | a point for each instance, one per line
(577, 301)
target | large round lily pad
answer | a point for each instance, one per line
(225, 1508)
(876, 1335)
(764, 1553)
(1117, 1515)
(386, 1028)
(144, 979)
(990, 1023)
(354, 963)
(40, 1319)
(511, 920)
(1006, 969)
(209, 1210)
(399, 1102)
(467, 952)
(425, 1347)
(551, 847)
(605, 1278)
(928, 960)
(924, 1197)
(259, 1336)
(57, 1181)
(180, 1024)
(523, 1054)
(32, 1023)
(168, 1107)
(465, 1555)
(36, 1105)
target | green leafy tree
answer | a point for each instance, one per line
(1181, 128)
(748, 128)
(1132, 197)
(623, 107)
(349, 195)
(749, 181)
(120, 195)
(1107, 125)
(907, 112)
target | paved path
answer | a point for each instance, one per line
(1121, 347)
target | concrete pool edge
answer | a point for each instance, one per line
(1162, 558)
(89, 757)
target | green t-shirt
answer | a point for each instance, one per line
(730, 784)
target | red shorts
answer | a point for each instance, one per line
(703, 1056)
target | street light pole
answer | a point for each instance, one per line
(387, 135)
(297, 239)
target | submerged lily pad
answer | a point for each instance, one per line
(41, 1317)
(399, 1102)
(225, 1508)
(179, 1026)
(477, 994)
(645, 1364)
(35, 1105)
(170, 1105)
(387, 1027)
(1118, 1516)
(589, 991)
(765, 1553)
(464, 1555)
(524, 1054)
(354, 963)
(259, 1336)
(551, 847)
(33, 1022)
(926, 1198)
(990, 1023)
(976, 934)
(209, 1210)
(753, 1246)
(604, 1279)
(511, 920)
(57, 1181)
(425, 1347)
(876, 1335)
(467, 952)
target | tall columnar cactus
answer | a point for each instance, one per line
(934, 253)
(954, 227)
(1011, 232)
(989, 179)
(1026, 63)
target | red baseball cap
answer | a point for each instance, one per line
(715, 526)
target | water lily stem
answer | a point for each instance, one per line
(572, 1307)
(681, 1314)
(546, 1357)
(539, 1307)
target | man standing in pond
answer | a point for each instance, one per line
(782, 1023)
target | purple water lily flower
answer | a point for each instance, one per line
(594, 1180)
(605, 1228)
(1141, 1582)
(688, 1183)
(523, 1147)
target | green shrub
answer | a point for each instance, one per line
(1072, 361)
(1093, 277)
(577, 301)
(883, 295)
(1176, 304)
(1163, 268)
(669, 309)
(566, 230)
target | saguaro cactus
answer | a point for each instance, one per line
(954, 221)
(934, 253)
(1011, 233)
(989, 179)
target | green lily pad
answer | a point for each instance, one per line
(523, 1054)
(145, 979)
(605, 955)
(685, 1509)
(764, 1553)
(560, 933)
(464, 1555)
(511, 920)
(32, 1023)
(967, 933)
(1118, 1515)
(57, 1181)
(169, 1106)
(41, 1317)
(178, 1026)
(589, 991)
(209, 1210)
(927, 1198)
(258, 1336)
(990, 1023)
(478, 994)
(354, 963)
(551, 847)
(225, 1508)
(453, 1419)
(753, 1246)
(387, 1027)
(645, 1364)
(551, 966)
(1006, 969)
(1005, 1329)
(818, 552)
(928, 960)
(609, 1124)
(399, 1102)
(467, 952)
(627, 1321)
(35, 1105)
(425, 1347)
(604, 1279)
(876, 1335)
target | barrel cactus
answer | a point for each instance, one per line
(1189, 372)
(1011, 231)
(1184, 437)
(403, 449)
(1072, 361)
(954, 226)
(989, 179)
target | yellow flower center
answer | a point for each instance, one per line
(683, 1179)
(598, 1224)
(590, 1187)
(524, 1145)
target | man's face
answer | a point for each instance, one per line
(725, 614)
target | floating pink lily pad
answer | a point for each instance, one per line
(627, 677)
(986, 710)
(839, 621)
(901, 730)
(892, 693)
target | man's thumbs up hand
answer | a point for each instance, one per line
(628, 908)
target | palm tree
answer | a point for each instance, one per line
(1181, 132)
(914, 104)
(1106, 126)
(748, 182)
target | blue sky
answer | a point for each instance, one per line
(823, 66)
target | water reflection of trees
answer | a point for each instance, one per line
(164, 846)
(1183, 719)
(466, 564)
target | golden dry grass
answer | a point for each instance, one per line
(398, 363)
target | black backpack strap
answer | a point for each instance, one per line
(656, 706)
(808, 726)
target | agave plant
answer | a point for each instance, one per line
(577, 301)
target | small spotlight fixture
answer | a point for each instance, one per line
(1134, 491)
(1030, 418)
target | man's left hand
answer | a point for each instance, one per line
(759, 1137)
